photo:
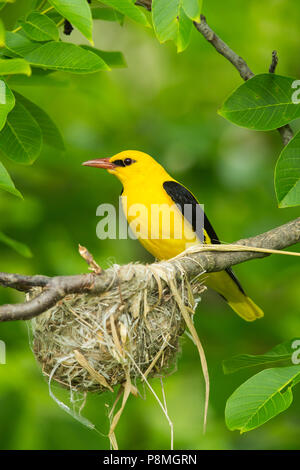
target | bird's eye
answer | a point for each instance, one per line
(125, 162)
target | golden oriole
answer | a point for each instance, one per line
(147, 184)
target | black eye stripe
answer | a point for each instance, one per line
(125, 162)
(119, 162)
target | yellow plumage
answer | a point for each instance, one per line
(144, 183)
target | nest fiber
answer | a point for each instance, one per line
(92, 343)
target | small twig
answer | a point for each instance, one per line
(86, 255)
(274, 62)
(238, 62)
(286, 131)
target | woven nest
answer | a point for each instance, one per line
(92, 343)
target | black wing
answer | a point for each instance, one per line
(181, 196)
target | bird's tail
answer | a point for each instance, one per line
(226, 284)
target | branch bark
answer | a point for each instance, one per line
(238, 62)
(56, 288)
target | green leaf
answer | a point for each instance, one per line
(129, 9)
(50, 132)
(14, 66)
(260, 398)
(192, 9)
(18, 45)
(113, 59)
(6, 182)
(287, 174)
(106, 14)
(78, 13)
(39, 27)
(164, 15)
(19, 247)
(296, 380)
(7, 102)
(54, 16)
(2, 34)
(171, 23)
(67, 57)
(263, 103)
(276, 356)
(21, 137)
(184, 31)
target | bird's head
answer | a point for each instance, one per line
(128, 165)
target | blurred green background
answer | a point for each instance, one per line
(165, 104)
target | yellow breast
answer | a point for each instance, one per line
(156, 221)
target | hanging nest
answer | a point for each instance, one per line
(131, 331)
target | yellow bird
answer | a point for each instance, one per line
(147, 186)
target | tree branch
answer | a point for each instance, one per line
(238, 62)
(56, 288)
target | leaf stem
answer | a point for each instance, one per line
(41, 4)
(46, 11)
(60, 22)
(42, 13)
(17, 29)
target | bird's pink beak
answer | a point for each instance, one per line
(100, 163)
